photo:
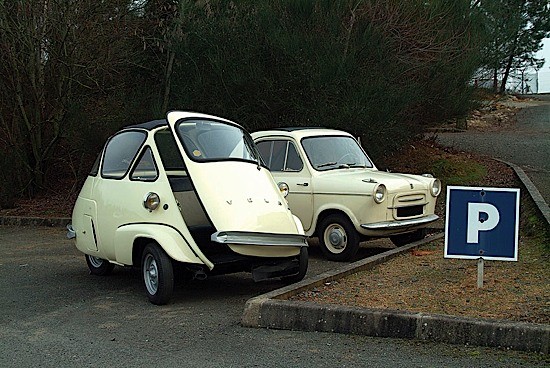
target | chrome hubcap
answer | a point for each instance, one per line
(150, 274)
(335, 238)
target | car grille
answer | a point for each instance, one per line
(409, 205)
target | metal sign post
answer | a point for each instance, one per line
(480, 273)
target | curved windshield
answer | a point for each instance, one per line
(207, 140)
(334, 152)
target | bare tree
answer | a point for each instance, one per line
(53, 52)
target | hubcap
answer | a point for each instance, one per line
(335, 238)
(150, 274)
(95, 261)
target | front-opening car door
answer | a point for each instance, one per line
(237, 193)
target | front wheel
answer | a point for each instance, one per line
(338, 238)
(158, 274)
(403, 239)
(99, 266)
(304, 259)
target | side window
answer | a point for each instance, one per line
(120, 152)
(146, 168)
(280, 155)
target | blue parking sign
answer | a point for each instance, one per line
(482, 223)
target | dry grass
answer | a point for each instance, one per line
(423, 281)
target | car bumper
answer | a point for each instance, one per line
(399, 226)
(249, 238)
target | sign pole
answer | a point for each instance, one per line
(480, 273)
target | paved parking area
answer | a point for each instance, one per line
(54, 314)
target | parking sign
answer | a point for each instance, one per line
(482, 223)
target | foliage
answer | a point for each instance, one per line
(72, 72)
(513, 31)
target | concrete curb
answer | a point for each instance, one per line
(533, 191)
(273, 310)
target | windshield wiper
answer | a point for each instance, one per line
(326, 164)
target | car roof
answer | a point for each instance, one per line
(150, 125)
(299, 132)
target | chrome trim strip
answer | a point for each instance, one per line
(387, 225)
(249, 238)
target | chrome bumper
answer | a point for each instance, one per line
(400, 224)
(71, 233)
(240, 237)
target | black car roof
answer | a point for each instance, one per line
(293, 129)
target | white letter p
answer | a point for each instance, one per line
(475, 225)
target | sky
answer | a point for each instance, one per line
(544, 72)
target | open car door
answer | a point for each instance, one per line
(238, 194)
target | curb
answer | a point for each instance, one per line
(533, 191)
(272, 310)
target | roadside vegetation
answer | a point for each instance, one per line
(423, 281)
(73, 72)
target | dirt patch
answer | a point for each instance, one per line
(423, 281)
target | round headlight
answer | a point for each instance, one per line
(436, 187)
(151, 201)
(283, 187)
(379, 193)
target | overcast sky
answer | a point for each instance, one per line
(544, 73)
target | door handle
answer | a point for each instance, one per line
(303, 184)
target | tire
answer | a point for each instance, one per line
(99, 266)
(158, 274)
(304, 259)
(403, 239)
(338, 238)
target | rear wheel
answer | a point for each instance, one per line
(338, 238)
(304, 259)
(158, 274)
(99, 266)
(403, 239)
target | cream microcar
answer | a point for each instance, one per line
(338, 193)
(188, 191)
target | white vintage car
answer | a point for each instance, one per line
(187, 192)
(338, 193)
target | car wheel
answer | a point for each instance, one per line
(304, 259)
(158, 274)
(99, 266)
(338, 238)
(403, 239)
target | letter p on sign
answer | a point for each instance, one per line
(477, 223)
(482, 223)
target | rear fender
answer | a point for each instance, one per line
(171, 240)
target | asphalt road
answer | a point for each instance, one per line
(526, 144)
(55, 314)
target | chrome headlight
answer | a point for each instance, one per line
(151, 201)
(283, 188)
(379, 193)
(435, 187)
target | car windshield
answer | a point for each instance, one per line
(334, 152)
(207, 140)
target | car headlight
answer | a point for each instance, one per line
(379, 193)
(283, 188)
(435, 187)
(151, 201)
